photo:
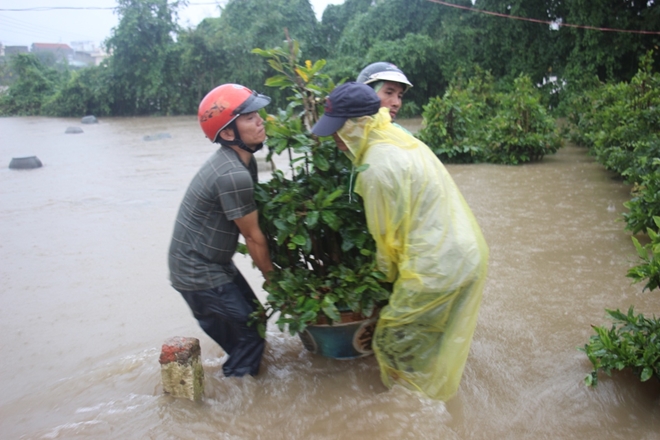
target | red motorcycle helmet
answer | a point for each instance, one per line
(224, 104)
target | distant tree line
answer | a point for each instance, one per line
(158, 68)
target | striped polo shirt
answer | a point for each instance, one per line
(205, 236)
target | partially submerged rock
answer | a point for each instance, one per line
(25, 163)
(73, 130)
(90, 119)
(156, 136)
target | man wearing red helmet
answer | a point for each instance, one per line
(217, 207)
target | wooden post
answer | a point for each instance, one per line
(181, 368)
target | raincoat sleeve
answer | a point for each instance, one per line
(384, 226)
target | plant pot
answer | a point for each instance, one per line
(348, 339)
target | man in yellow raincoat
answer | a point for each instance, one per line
(428, 244)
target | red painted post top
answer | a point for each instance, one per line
(179, 349)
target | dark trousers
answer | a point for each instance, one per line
(223, 313)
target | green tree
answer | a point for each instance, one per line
(219, 50)
(509, 47)
(408, 33)
(143, 64)
(84, 93)
(610, 55)
(389, 21)
(34, 84)
(334, 21)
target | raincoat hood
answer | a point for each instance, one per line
(359, 133)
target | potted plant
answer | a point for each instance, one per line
(324, 256)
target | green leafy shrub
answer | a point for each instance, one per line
(621, 130)
(632, 342)
(649, 269)
(34, 85)
(315, 225)
(521, 130)
(578, 106)
(453, 124)
(645, 202)
(473, 123)
(83, 94)
(620, 126)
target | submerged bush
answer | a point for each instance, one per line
(632, 342)
(621, 127)
(521, 130)
(473, 123)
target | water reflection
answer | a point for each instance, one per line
(86, 305)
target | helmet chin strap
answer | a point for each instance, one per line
(238, 142)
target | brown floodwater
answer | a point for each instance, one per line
(86, 305)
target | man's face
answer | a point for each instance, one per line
(251, 128)
(340, 143)
(391, 94)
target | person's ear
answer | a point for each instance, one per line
(227, 134)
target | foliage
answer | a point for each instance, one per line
(385, 21)
(645, 201)
(620, 125)
(453, 124)
(509, 48)
(649, 269)
(143, 64)
(335, 19)
(577, 106)
(633, 342)
(82, 94)
(315, 225)
(156, 67)
(34, 84)
(521, 129)
(612, 56)
(474, 123)
(621, 129)
(404, 32)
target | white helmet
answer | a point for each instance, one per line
(383, 71)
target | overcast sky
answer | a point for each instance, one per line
(93, 25)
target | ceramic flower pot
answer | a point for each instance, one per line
(348, 339)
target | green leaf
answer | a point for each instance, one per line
(312, 219)
(331, 312)
(278, 81)
(299, 240)
(332, 197)
(647, 373)
(321, 162)
(640, 249)
(331, 219)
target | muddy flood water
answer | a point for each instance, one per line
(85, 305)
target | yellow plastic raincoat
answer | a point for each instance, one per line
(429, 245)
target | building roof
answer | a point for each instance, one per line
(51, 46)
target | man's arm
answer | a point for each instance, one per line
(255, 242)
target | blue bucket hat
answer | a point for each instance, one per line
(349, 100)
